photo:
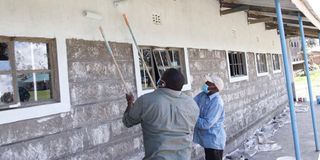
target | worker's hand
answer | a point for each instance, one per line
(129, 98)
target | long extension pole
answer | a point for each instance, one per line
(306, 68)
(114, 60)
(288, 81)
(139, 51)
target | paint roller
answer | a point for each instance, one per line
(139, 51)
(114, 60)
(93, 15)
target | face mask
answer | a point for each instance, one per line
(204, 88)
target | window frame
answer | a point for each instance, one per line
(267, 66)
(52, 69)
(137, 69)
(61, 99)
(279, 57)
(233, 79)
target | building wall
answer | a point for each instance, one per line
(314, 58)
(93, 128)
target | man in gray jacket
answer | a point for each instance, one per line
(167, 117)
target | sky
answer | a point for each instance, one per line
(315, 4)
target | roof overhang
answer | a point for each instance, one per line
(311, 9)
(263, 11)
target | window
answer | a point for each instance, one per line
(237, 65)
(157, 61)
(28, 72)
(275, 62)
(261, 62)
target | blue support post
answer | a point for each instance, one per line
(319, 37)
(306, 66)
(288, 81)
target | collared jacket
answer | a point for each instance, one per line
(209, 130)
(167, 118)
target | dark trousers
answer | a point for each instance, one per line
(213, 154)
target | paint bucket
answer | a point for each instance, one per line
(318, 99)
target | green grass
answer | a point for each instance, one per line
(42, 95)
(314, 76)
(301, 85)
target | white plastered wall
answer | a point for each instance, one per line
(184, 23)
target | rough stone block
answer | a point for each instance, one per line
(87, 93)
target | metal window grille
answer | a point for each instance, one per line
(261, 62)
(158, 61)
(276, 62)
(237, 64)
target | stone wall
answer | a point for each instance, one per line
(248, 103)
(93, 129)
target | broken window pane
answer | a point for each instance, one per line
(6, 89)
(147, 56)
(161, 58)
(34, 87)
(158, 60)
(4, 57)
(31, 56)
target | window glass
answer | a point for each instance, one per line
(27, 79)
(6, 89)
(4, 57)
(237, 64)
(158, 60)
(275, 62)
(261, 59)
(34, 87)
(31, 56)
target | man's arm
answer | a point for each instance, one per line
(133, 112)
(209, 118)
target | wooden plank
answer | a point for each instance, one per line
(272, 14)
(260, 9)
(260, 20)
(285, 4)
(234, 10)
(287, 21)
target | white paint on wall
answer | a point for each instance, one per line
(184, 23)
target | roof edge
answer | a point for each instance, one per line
(308, 12)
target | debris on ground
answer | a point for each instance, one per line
(300, 108)
(286, 158)
(261, 140)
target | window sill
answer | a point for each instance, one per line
(263, 74)
(185, 87)
(277, 71)
(237, 79)
(18, 114)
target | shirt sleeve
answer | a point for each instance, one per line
(134, 115)
(197, 99)
(208, 119)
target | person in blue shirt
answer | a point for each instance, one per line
(209, 130)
